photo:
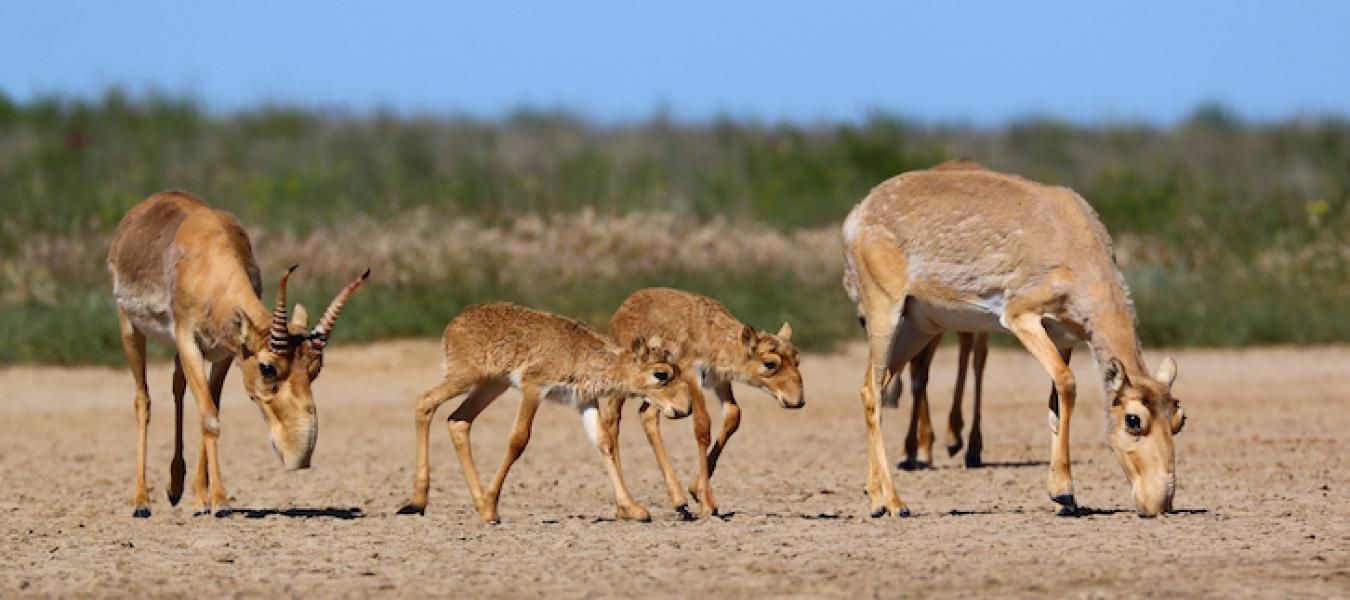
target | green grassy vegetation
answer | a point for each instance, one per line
(1229, 233)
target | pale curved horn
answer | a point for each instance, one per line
(279, 339)
(319, 338)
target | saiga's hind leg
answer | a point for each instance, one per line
(976, 447)
(731, 421)
(955, 423)
(427, 403)
(919, 438)
(520, 437)
(133, 344)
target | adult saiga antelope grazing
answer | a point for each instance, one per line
(979, 251)
(184, 275)
(490, 347)
(713, 349)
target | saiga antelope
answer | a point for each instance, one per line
(184, 275)
(490, 347)
(713, 349)
(978, 251)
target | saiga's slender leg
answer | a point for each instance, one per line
(202, 479)
(976, 447)
(651, 425)
(177, 466)
(731, 421)
(611, 413)
(1064, 354)
(919, 439)
(1028, 329)
(190, 357)
(133, 344)
(520, 437)
(701, 488)
(628, 508)
(427, 402)
(954, 421)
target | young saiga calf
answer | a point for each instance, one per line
(184, 275)
(713, 349)
(490, 347)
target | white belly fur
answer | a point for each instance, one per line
(151, 317)
(983, 317)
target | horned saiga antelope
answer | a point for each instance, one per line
(184, 275)
(490, 347)
(713, 349)
(979, 251)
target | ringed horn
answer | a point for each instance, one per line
(279, 340)
(319, 337)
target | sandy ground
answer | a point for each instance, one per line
(1262, 492)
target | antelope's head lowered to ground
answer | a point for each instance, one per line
(1142, 417)
(659, 378)
(279, 361)
(770, 363)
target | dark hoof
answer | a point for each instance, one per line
(224, 512)
(973, 462)
(141, 512)
(913, 465)
(202, 513)
(174, 498)
(410, 509)
(1067, 507)
(952, 449)
(880, 512)
(904, 513)
(685, 515)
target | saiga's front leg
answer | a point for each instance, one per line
(701, 488)
(651, 425)
(190, 357)
(628, 508)
(1028, 329)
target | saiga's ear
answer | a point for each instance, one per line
(748, 339)
(785, 332)
(251, 338)
(639, 347)
(299, 317)
(1115, 375)
(1167, 372)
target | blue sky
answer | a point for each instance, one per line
(976, 61)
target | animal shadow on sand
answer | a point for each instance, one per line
(908, 465)
(331, 512)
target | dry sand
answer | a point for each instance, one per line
(1262, 494)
